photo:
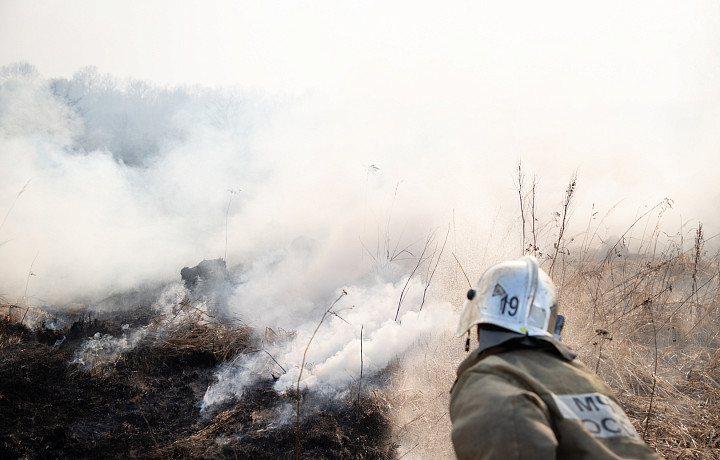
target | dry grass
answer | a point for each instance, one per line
(644, 312)
(649, 324)
(638, 321)
(222, 341)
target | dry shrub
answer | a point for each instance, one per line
(192, 328)
(222, 341)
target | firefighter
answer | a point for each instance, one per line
(522, 394)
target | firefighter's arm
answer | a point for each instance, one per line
(493, 418)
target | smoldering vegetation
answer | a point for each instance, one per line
(220, 360)
(643, 311)
(128, 384)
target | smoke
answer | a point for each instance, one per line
(333, 361)
(98, 213)
(104, 348)
(111, 184)
(123, 183)
(352, 145)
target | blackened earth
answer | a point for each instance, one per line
(145, 403)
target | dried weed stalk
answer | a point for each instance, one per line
(302, 367)
(563, 217)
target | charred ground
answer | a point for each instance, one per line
(144, 403)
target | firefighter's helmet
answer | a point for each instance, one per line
(516, 295)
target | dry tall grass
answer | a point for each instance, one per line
(648, 323)
(643, 311)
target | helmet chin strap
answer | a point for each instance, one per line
(470, 296)
(467, 341)
(559, 324)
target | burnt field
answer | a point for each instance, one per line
(143, 402)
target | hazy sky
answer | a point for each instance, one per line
(647, 51)
(623, 89)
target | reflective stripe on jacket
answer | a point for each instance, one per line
(527, 403)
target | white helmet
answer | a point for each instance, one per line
(516, 295)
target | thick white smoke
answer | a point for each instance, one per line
(332, 357)
(120, 184)
(108, 184)
(87, 214)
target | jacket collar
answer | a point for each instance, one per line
(495, 340)
(495, 337)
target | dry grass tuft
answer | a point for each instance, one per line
(11, 332)
(223, 342)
